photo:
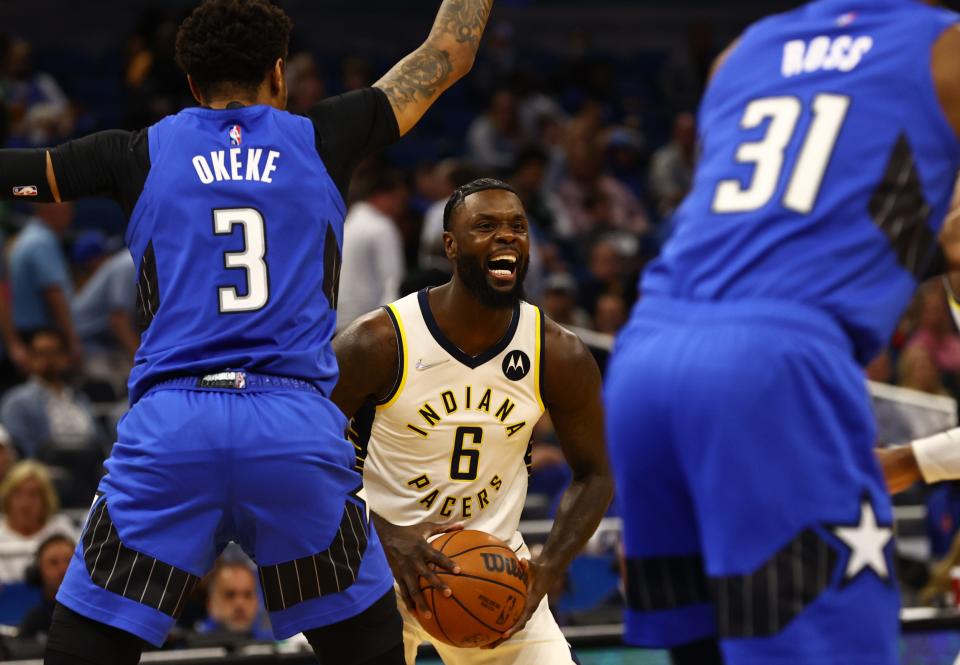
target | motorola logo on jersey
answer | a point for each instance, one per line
(516, 365)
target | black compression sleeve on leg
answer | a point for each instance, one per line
(76, 640)
(704, 652)
(23, 176)
(374, 637)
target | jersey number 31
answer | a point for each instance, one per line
(768, 154)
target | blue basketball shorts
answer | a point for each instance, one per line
(266, 466)
(754, 511)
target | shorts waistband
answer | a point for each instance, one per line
(235, 381)
(787, 314)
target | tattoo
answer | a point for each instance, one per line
(417, 77)
(464, 20)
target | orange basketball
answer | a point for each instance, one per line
(489, 594)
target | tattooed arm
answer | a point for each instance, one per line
(416, 82)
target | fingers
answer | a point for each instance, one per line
(432, 579)
(441, 560)
(413, 596)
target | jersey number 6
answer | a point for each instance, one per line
(472, 455)
(250, 259)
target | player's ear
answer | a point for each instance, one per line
(195, 91)
(449, 245)
(278, 79)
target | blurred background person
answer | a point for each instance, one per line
(40, 282)
(671, 169)
(49, 567)
(51, 421)
(104, 313)
(495, 138)
(560, 301)
(233, 604)
(373, 257)
(30, 515)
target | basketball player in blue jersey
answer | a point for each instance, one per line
(757, 527)
(236, 213)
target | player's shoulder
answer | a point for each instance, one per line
(563, 349)
(374, 333)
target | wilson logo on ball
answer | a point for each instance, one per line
(497, 563)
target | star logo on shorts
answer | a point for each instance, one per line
(867, 542)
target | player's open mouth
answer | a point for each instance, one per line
(502, 267)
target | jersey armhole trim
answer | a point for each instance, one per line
(539, 354)
(394, 393)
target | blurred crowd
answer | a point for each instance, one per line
(600, 150)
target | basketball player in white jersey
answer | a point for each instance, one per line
(452, 381)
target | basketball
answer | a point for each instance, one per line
(489, 594)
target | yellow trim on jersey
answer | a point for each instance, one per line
(404, 355)
(952, 301)
(537, 356)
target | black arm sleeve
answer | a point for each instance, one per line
(23, 176)
(350, 128)
(114, 163)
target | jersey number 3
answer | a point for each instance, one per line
(250, 259)
(767, 155)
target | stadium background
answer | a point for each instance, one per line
(583, 106)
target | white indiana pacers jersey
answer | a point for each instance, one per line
(452, 441)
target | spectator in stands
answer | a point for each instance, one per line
(8, 453)
(585, 177)
(560, 301)
(935, 329)
(545, 210)
(305, 87)
(627, 158)
(448, 175)
(233, 603)
(606, 274)
(45, 415)
(610, 314)
(30, 516)
(918, 371)
(671, 169)
(49, 567)
(495, 138)
(40, 112)
(40, 278)
(373, 259)
(105, 315)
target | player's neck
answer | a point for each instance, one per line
(469, 324)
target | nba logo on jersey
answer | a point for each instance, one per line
(236, 138)
(847, 19)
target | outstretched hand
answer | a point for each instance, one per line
(410, 556)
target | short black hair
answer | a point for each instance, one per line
(460, 193)
(232, 42)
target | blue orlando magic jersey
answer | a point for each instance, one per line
(826, 168)
(237, 239)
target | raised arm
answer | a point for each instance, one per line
(572, 396)
(111, 163)
(416, 82)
